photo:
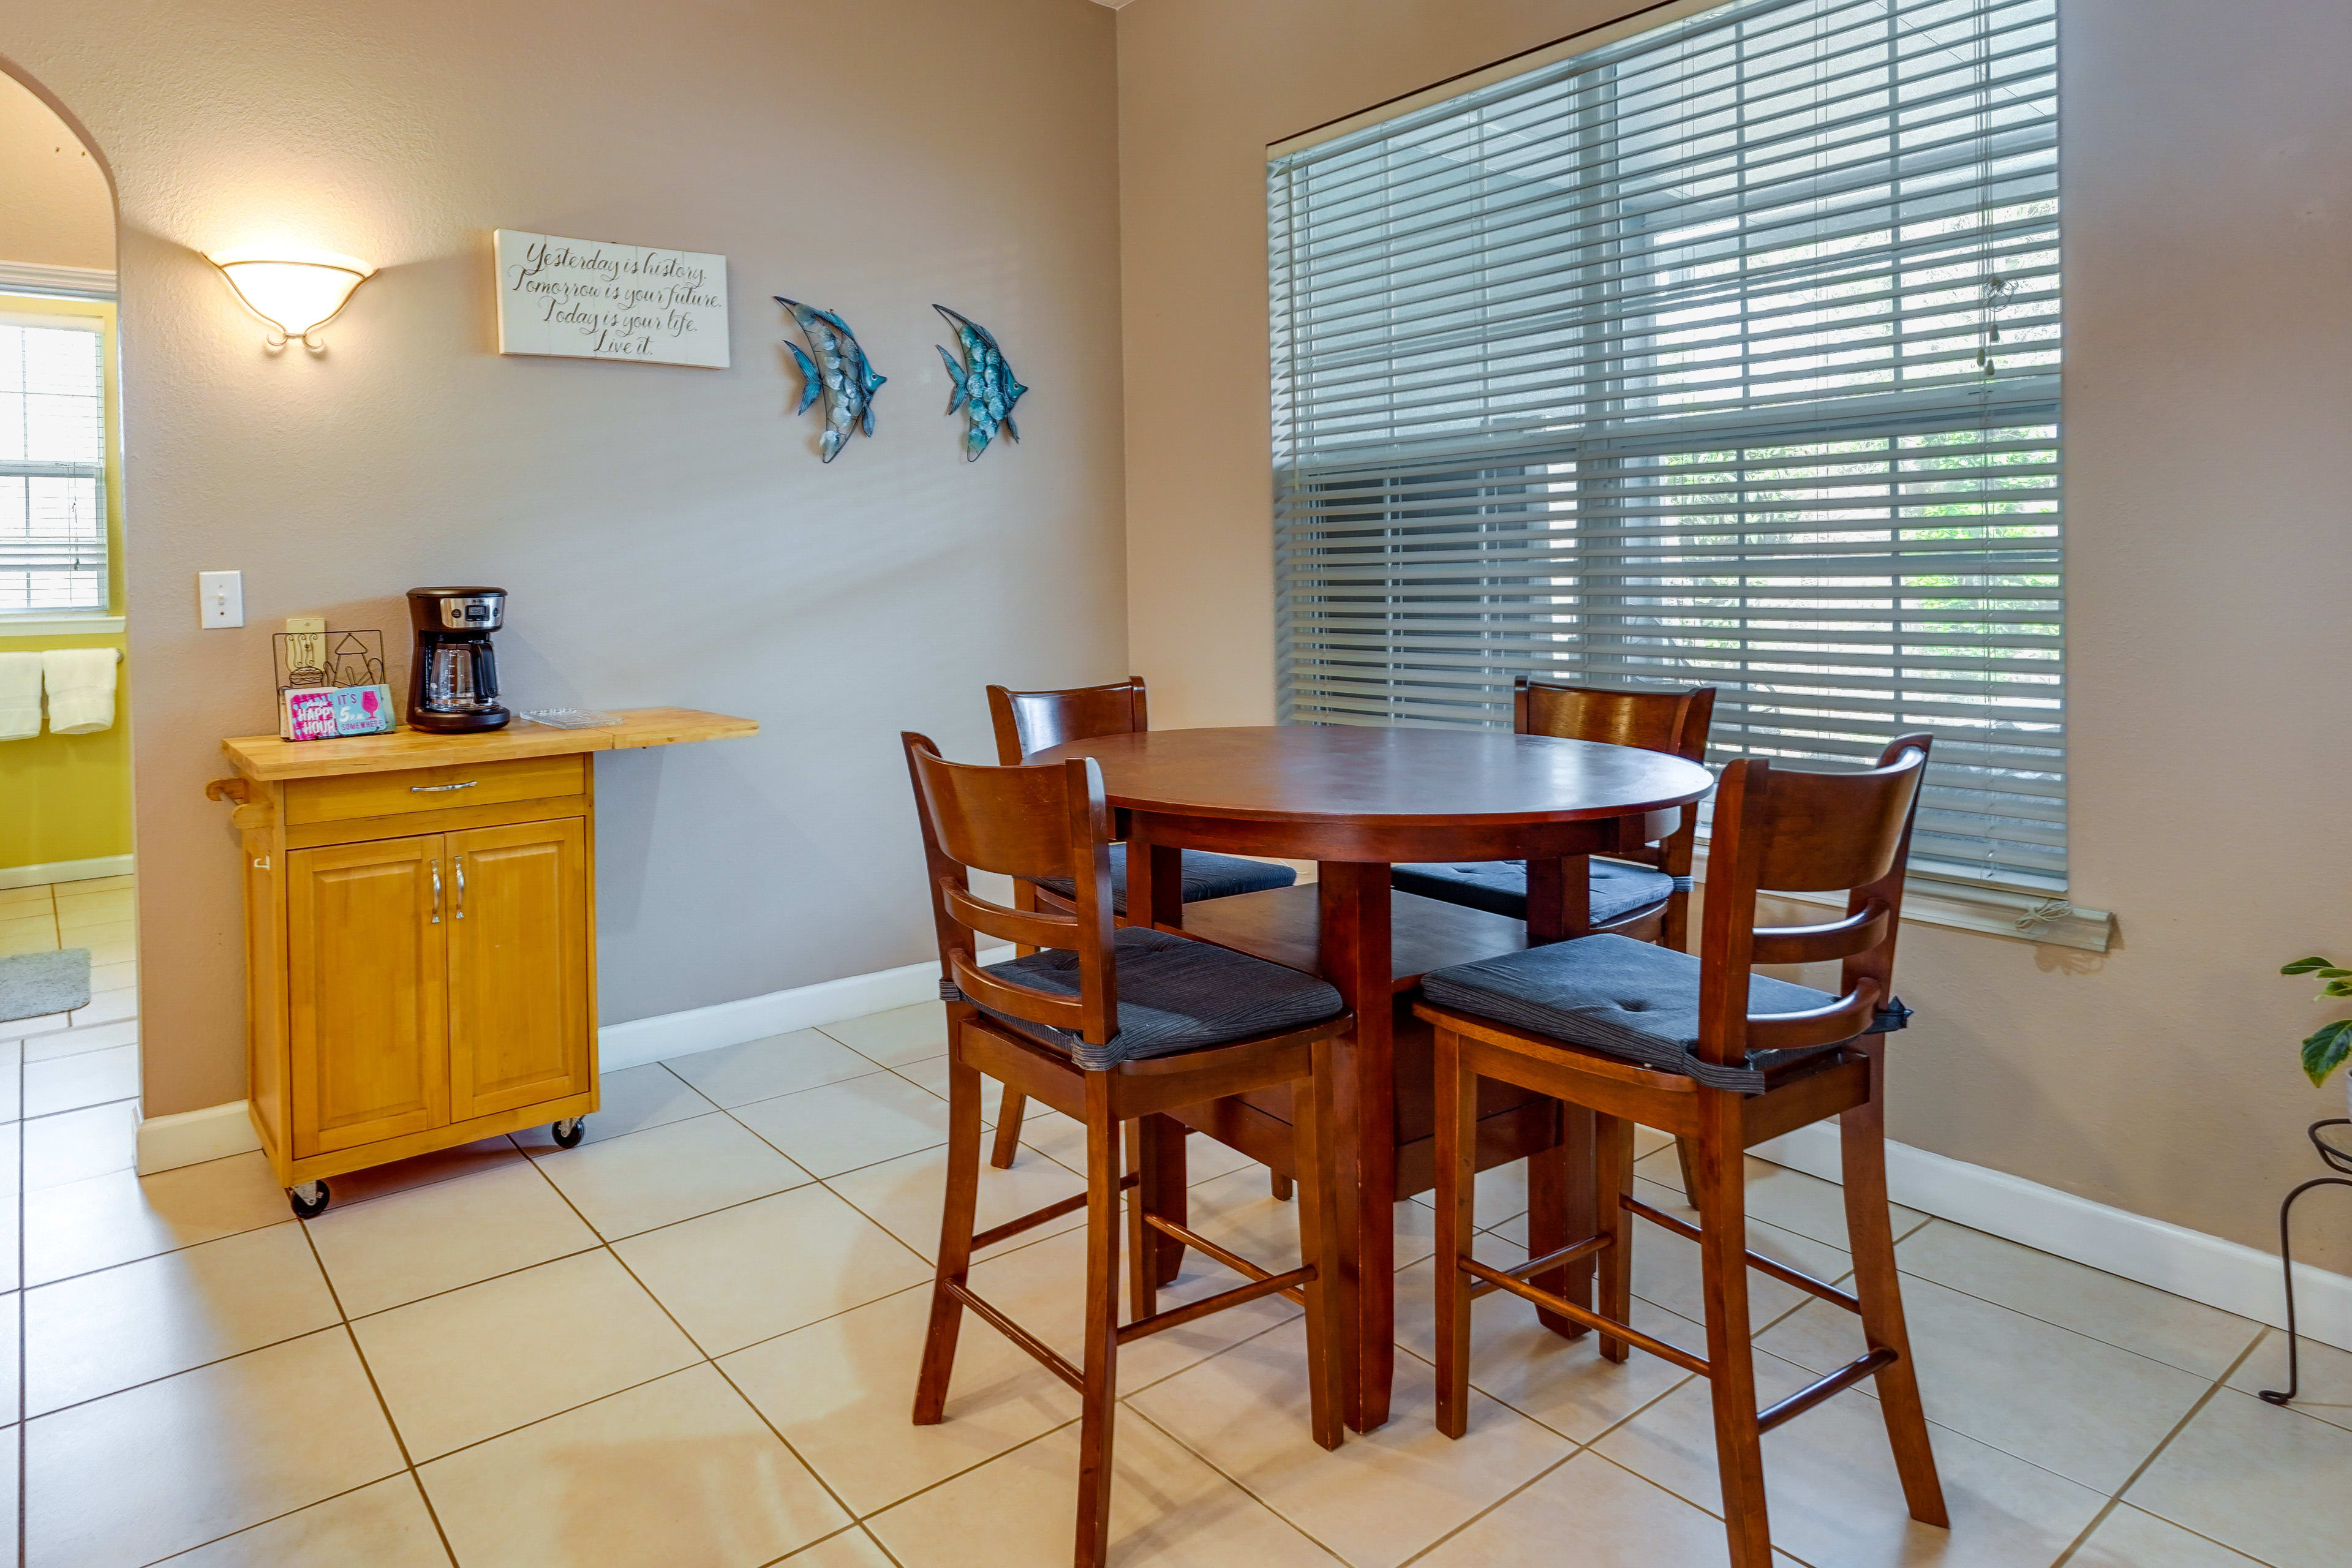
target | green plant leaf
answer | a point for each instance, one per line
(2335, 988)
(2326, 1050)
(2305, 966)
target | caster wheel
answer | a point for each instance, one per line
(567, 1133)
(309, 1200)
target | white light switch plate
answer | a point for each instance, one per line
(220, 599)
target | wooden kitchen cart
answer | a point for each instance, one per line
(420, 921)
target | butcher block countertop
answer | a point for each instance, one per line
(267, 759)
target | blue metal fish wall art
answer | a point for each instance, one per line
(847, 379)
(983, 384)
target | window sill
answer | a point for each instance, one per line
(69, 624)
(1992, 912)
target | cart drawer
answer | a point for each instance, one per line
(433, 789)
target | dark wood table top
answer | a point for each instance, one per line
(1381, 777)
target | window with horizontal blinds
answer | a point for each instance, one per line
(1725, 353)
(52, 465)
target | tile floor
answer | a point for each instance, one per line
(691, 1341)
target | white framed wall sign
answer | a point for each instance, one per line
(590, 298)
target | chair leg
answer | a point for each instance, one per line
(1098, 1399)
(1862, 1135)
(1161, 1185)
(1281, 1185)
(1722, 1202)
(956, 1220)
(1682, 1158)
(1457, 1175)
(1559, 1211)
(1008, 1130)
(1613, 1145)
(1319, 1244)
(1142, 1265)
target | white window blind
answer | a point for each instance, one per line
(52, 466)
(1726, 353)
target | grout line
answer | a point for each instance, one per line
(2115, 1500)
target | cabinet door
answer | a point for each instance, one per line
(518, 966)
(367, 992)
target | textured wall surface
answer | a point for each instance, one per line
(55, 208)
(667, 534)
(2208, 169)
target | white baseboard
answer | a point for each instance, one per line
(2236, 1278)
(646, 1040)
(65, 871)
(192, 1137)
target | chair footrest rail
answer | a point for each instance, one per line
(1756, 1261)
(1233, 1260)
(1045, 1353)
(1560, 1258)
(1838, 1382)
(1036, 1217)
(1587, 1316)
(1177, 1317)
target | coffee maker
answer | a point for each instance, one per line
(453, 682)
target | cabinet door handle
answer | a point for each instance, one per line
(459, 862)
(442, 789)
(437, 894)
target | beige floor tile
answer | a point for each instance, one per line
(1381, 1496)
(113, 943)
(171, 1465)
(482, 1155)
(1168, 1510)
(27, 934)
(1206, 1159)
(458, 1368)
(114, 976)
(667, 1174)
(2325, 1394)
(765, 1267)
(75, 1145)
(2130, 1539)
(12, 1079)
(70, 1042)
(857, 1122)
(1562, 1382)
(12, 1449)
(92, 885)
(1667, 1267)
(93, 1078)
(1790, 1199)
(904, 1195)
(1044, 1289)
(761, 1069)
(632, 1100)
(1237, 1211)
(1615, 1518)
(1830, 1485)
(2268, 1482)
(20, 902)
(1500, 1194)
(44, 1023)
(841, 1390)
(115, 1218)
(105, 906)
(931, 1073)
(11, 1356)
(97, 1333)
(383, 1525)
(2049, 1395)
(851, 1549)
(680, 1472)
(116, 1006)
(2172, 1329)
(421, 1242)
(900, 1035)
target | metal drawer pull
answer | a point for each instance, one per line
(459, 862)
(437, 789)
(437, 894)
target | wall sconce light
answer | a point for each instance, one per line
(296, 292)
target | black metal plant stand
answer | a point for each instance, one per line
(2337, 1159)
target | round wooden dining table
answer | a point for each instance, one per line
(1358, 801)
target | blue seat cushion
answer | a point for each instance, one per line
(1500, 887)
(1206, 875)
(1630, 999)
(1174, 994)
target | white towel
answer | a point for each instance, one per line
(20, 696)
(81, 689)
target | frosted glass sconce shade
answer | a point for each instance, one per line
(296, 292)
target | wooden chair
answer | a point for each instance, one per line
(1028, 721)
(1641, 1034)
(1649, 897)
(1115, 1027)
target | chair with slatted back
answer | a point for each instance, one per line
(1114, 1026)
(1029, 722)
(1643, 893)
(1724, 1059)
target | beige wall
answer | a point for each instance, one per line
(55, 208)
(2208, 168)
(667, 534)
